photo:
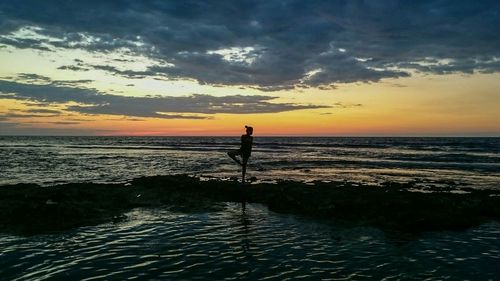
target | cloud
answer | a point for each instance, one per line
(43, 110)
(5, 126)
(195, 106)
(17, 115)
(267, 44)
(348, 105)
(41, 79)
(64, 122)
(11, 128)
(32, 77)
(73, 68)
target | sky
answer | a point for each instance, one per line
(285, 67)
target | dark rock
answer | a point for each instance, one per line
(28, 208)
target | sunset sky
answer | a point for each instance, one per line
(319, 68)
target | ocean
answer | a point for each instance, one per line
(255, 243)
(425, 162)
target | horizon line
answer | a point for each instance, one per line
(270, 136)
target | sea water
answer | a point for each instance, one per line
(252, 243)
(463, 162)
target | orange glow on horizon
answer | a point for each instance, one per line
(421, 106)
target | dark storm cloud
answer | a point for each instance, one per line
(186, 107)
(288, 42)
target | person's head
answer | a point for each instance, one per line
(249, 130)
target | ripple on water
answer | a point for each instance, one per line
(255, 244)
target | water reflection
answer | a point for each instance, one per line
(247, 243)
(245, 222)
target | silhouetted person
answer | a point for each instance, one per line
(244, 151)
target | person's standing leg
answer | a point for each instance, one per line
(244, 168)
(243, 172)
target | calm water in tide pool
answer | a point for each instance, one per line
(255, 244)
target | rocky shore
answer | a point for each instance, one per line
(31, 209)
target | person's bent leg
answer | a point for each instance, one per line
(233, 154)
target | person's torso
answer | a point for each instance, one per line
(246, 144)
